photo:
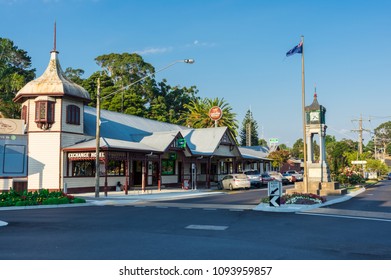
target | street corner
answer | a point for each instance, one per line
(3, 224)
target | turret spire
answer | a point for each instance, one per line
(55, 39)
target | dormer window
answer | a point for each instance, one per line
(44, 114)
(73, 115)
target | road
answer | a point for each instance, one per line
(202, 228)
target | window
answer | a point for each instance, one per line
(24, 114)
(44, 114)
(73, 115)
(116, 168)
(83, 168)
(168, 167)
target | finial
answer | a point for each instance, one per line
(315, 94)
(55, 39)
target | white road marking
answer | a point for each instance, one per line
(206, 227)
(345, 217)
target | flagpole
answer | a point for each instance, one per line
(305, 179)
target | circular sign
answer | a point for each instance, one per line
(215, 113)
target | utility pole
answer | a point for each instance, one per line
(360, 136)
(248, 133)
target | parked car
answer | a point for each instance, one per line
(234, 181)
(279, 177)
(254, 176)
(389, 176)
(257, 179)
(265, 178)
(293, 176)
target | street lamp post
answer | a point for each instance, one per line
(98, 99)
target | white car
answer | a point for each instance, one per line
(234, 181)
(293, 176)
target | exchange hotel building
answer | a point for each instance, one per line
(53, 145)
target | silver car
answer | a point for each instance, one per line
(234, 181)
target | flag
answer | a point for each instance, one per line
(296, 49)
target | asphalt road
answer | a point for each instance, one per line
(154, 231)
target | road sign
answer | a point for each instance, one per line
(274, 201)
(275, 192)
(274, 188)
(273, 141)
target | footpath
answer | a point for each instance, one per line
(136, 196)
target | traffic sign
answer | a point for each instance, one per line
(274, 188)
(274, 191)
(274, 201)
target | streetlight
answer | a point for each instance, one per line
(98, 98)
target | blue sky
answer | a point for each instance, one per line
(239, 47)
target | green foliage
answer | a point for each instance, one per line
(249, 120)
(279, 157)
(15, 72)
(198, 114)
(41, 197)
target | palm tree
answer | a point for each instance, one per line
(198, 114)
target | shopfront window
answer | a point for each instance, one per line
(116, 168)
(83, 168)
(168, 167)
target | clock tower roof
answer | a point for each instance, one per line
(315, 106)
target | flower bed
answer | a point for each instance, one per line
(299, 198)
(41, 197)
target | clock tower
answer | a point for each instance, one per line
(318, 169)
(318, 173)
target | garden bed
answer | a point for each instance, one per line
(41, 197)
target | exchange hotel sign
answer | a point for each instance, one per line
(85, 155)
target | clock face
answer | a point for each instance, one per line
(314, 116)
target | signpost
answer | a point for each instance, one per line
(274, 192)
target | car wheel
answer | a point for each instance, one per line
(230, 187)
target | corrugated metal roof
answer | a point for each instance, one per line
(124, 127)
(204, 141)
(256, 153)
(52, 82)
(112, 144)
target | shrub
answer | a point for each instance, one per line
(78, 200)
(41, 197)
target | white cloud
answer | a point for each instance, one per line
(197, 43)
(154, 51)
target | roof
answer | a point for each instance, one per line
(123, 126)
(254, 152)
(130, 132)
(204, 141)
(112, 144)
(53, 82)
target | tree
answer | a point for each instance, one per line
(74, 75)
(198, 114)
(262, 142)
(249, 123)
(15, 72)
(279, 157)
(297, 149)
(123, 70)
(168, 103)
(383, 137)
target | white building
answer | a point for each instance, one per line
(136, 152)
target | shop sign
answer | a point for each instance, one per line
(85, 155)
(11, 126)
(215, 113)
(181, 143)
